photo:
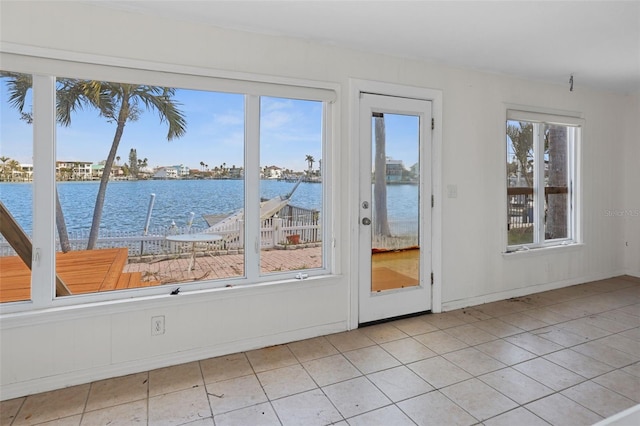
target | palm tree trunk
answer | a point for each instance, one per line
(104, 180)
(380, 180)
(63, 235)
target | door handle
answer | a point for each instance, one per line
(366, 221)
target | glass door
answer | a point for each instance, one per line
(395, 207)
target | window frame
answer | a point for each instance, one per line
(539, 118)
(45, 68)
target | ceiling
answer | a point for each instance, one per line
(596, 41)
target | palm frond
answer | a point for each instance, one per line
(160, 99)
(18, 86)
(74, 94)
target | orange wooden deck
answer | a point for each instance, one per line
(85, 271)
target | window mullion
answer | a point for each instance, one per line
(252, 187)
(327, 177)
(44, 190)
(571, 167)
(538, 179)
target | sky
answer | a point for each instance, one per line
(289, 131)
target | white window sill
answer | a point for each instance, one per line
(543, 250)
(23, 313)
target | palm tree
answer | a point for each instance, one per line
(119, 103)
(309, 159)
(117, 160)
(14, 165)
(202, 165)
(4, 164)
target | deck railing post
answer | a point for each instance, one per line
(241, 232)
(277, 231)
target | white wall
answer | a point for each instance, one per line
(45, 350)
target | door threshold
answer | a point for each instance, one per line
(399, 317)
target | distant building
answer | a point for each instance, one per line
(272, 172)
(236, 172)
(74, 170)
(145, 172)
(96, 171)
(395, 170)
(181, 170)
(166, 173)
(117, 172)
(25, 172)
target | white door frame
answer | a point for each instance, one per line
(357, 86)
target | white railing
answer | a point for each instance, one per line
(404, 233)
(273, 232)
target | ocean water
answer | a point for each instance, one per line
(127, 202)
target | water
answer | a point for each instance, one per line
(127, 202)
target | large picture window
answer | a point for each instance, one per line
(541, 179)
(154, 185)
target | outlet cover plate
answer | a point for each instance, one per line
(157, 325)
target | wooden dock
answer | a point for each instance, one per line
(84, 271)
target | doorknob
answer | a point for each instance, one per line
(366, 221)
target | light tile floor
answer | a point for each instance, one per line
(562, 357)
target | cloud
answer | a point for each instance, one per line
(275, 120)
(229, 119)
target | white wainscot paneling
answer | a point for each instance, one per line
(245, 319)
(54, 348)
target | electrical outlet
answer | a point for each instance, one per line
(157, 325)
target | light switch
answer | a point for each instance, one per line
(452, 191)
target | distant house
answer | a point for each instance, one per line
(272, 172)
(166, 173)
(116, 173)
(25, 172)
(181, 170)
(96, 171)
(395, 170)
(236, 172)
(74, 170)
(145, 172)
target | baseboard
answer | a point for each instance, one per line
(73, 378)
(524, 291)
(635, 274)
(628, 417)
